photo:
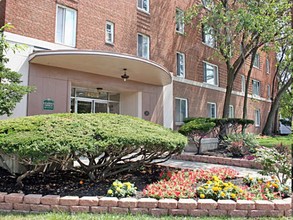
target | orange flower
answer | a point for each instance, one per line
(81, 182)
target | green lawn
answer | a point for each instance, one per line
(65, 216)
(272, 141)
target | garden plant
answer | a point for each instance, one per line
(108, 143)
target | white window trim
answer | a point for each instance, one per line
(215, 104)
(113, 32)
(186, 110)
(256, 95)
(183, 26)
(203, 39)
(217, 75)
(256, 124)
(233, 112)
(243, 83)
(143, 10)
(257, 55)
(269, 94)
(183, 76)
(56, 23)
(148, 37)
(268, 66)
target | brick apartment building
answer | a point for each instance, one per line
(77, 52)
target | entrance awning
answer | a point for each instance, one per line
(104, 63)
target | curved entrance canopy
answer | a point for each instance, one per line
(104, 63)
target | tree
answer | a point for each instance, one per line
(11, 90)
(284, 79)
(240, 27)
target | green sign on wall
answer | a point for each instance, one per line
(48, 104)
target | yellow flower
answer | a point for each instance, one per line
(233, 195)
(215, 189)
(206, 187)
(118, 189)
(225, 184)
(110, 192)
(223, 194)
(241, 191)
(209, 182)
(120, 184)
(128, 187)
(250, 178)
(115, 184)
(202, 196)
(275, 185)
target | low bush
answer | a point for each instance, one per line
(110, 143)
(276, 161)
(119, 189)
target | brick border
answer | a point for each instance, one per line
(18, 202)
(218, 160)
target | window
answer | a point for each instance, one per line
(256, 61)
(143, 46)
(255, 87)
(208, 36)
(65, 26)
(257, 118)
(267, 65)
(231, 111)
(179, 21)
(212, 110)
(210, 73)
(269, 91)
(181, 109)
(207, 3)
(143, 5)
(180, 57)
(109, 32)
(243, 83)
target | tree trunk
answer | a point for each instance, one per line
(244, 111)
(228, 94)
(267, 130)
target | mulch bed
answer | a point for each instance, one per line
(72, 183)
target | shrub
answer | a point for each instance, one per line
(276, 161)
(119, 189)
(111, 143)
(241, 144)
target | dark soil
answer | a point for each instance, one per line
(73, 183)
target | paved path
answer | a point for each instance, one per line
(183, 164)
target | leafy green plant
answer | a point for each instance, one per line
(276, 161)
(111, 143)
(121, 189)
(249, 141)
(217, 189)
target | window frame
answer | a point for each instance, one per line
(186, 110)
(217, 73)
(64, 25)
(148, 43)
(268, 68)
(141, 8)
(269, 94)
(178, 70)
(179, 21)
(231, 111)
(256, 59)
(253, 90)
(243, 83)
(205, 34)
(208, 110)
(113, 32)
(257, 118)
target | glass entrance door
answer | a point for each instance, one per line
(84, 106)
(101, 107)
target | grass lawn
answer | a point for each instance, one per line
(272, 141)
(65, 216)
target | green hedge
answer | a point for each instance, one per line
(43, 138)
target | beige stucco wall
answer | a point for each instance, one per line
(55, 83)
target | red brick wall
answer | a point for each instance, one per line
(2, 12)
(38, 21)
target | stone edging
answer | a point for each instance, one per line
(218, 160)
(35, 203)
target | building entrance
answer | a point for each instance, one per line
(93, 101)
